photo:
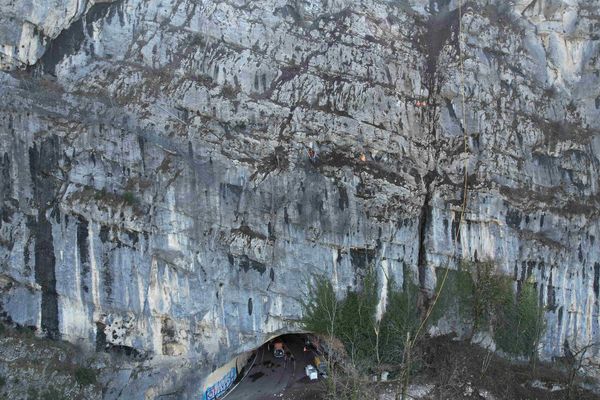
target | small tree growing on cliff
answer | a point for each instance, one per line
(321, 316)
(400, 319)
(358, 328)
(321, 308)
(519, 324)
(487, 299)
(369, 343)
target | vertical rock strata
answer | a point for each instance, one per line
(158, 200)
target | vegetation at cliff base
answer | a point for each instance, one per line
(486, 300)
(368, 342)
(483, 299)
(85, 376)
(519, 325)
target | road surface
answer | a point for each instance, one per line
(280, 378)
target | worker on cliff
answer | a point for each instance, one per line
(312, 154)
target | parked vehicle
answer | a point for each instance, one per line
(321, 365)
(278, 351)
(311, 372)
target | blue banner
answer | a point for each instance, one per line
(214, 391)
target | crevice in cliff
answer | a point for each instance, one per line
(7, 204)
(440, 29)
(424, 222)
(596, 279)
(42, 161)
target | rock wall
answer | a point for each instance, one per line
(158, 198)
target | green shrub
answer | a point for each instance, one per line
(32, 393)
(2, 329)
(457, 291)
(352, 320)
(487, 299)
(26, 332)
(130, 198)
(401, 318)
(481, 296)
(489, 291)
(52, 393)
(519, 323)
(101, 194)
(321, 310)
(357, 324)
(85, 376)
(2, 381)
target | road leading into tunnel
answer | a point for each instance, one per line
(280, 378)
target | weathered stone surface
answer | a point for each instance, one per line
(32, 369)
(27, 27)
(157, 195)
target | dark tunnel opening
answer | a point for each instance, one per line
(288, 363)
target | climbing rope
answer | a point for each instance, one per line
(465, 181)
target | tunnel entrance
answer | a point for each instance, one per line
(291, 347)
(287, 364)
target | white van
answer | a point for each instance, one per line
(311, 372)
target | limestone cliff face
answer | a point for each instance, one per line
(157, 197)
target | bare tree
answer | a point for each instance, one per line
(579, 360)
